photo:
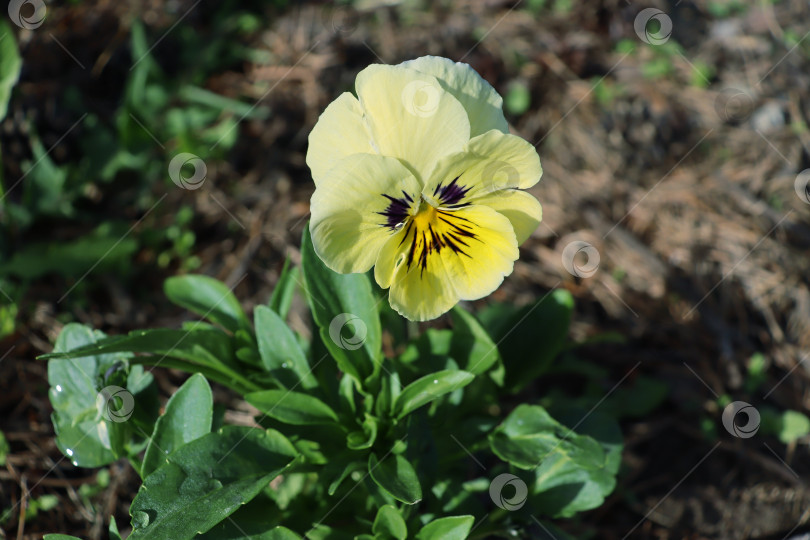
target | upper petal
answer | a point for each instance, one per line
(522, 210)
(353, 209)
(483, 104)
(339, 132)
(410, 116)
(490, 162)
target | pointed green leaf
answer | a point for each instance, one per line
(281, 298)
(113, 529)
(340, 470)
(10, 64)
(203, 346)
(449, 528)
(472, 346)
(292, 407)
(279, 350)
(397, 477)
(188, 416)
(389, 523)
(344, 308)
(207, 297)
(207, 480)
(529, 338)
(428, 388)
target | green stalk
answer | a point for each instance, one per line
(225, 377)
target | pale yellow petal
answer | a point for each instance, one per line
(340, 132)
(483, 104)
(410, 116)
(349, 209)
(489, 163)
(390, 257)
(522, 210)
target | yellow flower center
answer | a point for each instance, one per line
(427, 215)
(431, 228)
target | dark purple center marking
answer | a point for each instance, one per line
(454, 234)
(398, 210)
(451, 195)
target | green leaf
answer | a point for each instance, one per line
(562, 487)
(279, 350)
(104, 246)
(339, 471)
(188, 416)
(786, 425)
(794, 426)
(518, 99)
(279, 533)
(481, 352)
(206, 480)
(390, 388)
(10, 64)
(4, 449)
(389, 523)
(639, 399)
(207, 297)
(201, 348)
(113, 529)
(364, 438)
(344, 309)
(204, 346)
(449, 528)
(428, 388)
(82, 433)
(250, 522)
(60, 537)
(531, 337)
(529, 436)
(195, 94)
(396, 477)
(281, 298)
(292, 407)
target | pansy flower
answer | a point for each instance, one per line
(419, 178)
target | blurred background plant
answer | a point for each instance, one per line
(678, 162)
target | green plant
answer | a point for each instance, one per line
(354, 442)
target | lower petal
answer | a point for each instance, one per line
(462, 255)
